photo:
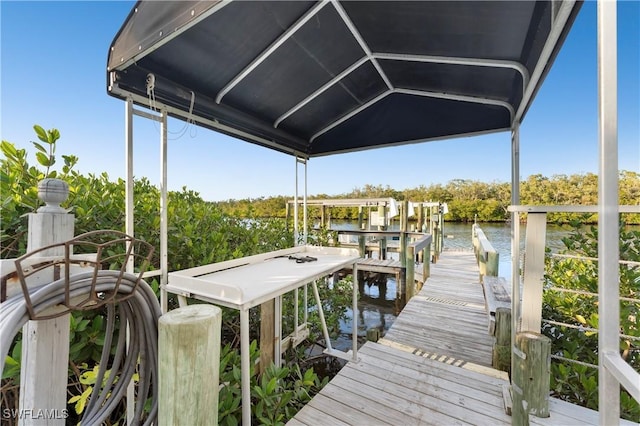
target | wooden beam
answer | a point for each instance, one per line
(533, 272)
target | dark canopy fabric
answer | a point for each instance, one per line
(315, 78)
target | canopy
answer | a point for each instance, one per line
(315, 78)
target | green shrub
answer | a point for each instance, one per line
(578, 383)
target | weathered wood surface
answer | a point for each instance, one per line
(448, 315)
(419, 375)
(188, 360)
(380, 265)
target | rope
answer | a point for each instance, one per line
(139, 313)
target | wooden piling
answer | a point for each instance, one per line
(382, 217)
(531, 376)
(410, 272)
(361, 240)
(267, 333)
(502, 345)
(404, 220)
(188, 365)
(373, 335)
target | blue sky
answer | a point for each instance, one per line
(53, 62)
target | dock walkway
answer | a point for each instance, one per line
(432, 367)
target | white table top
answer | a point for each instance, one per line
(251, 281)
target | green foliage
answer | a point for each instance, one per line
(199, 233)
(276, 395)
(578, 383)
(468, 200)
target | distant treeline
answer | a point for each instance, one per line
(467, 199)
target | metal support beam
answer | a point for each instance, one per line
(128, 172)
(295, 207)
(453, 60)
(129, 228)
(608, 234)
(515, 237)
(164, 224)
(412, 92)
(321, 90)
(266, 53)
(515, 164)
(363, 44)
(554, 35)
(305, 212)
(462, 98)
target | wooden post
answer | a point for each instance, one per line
(361, 239)
(404, 219)
(267, 333)
(502, 345)
(436, 250)
(382, 216)
(45, 344)
(287, 215)
(373, 335)
(493, 262)
(533, 272)
(410, 272)
(420, 218)
(426, 264)
(188, 365)
(531, 376)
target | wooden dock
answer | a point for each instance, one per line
(432, 367)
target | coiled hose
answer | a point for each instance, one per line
(140, 313)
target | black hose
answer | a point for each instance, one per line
(139, 313)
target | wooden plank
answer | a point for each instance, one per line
(383, 403)
(418, 363)
(312, 416)
(341, 409)
(433, 365)
(508, 402)
(390, 402)
(455, 405)
(404, 375)
(565, 413)
(297, 422)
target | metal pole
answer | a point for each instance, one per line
(354, 301)
(515, 164)
(515, 235)
(608, 251)
(305, 213)
(164, 262)
(129, 230)
(128, 190)
(245, 365)
(295, 209)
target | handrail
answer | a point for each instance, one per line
(569, 209)
(421, 243)
(486, 255)
(424, 245)
(408, 252)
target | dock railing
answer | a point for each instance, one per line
(527, 298)
(412, 245)
(486, 255)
